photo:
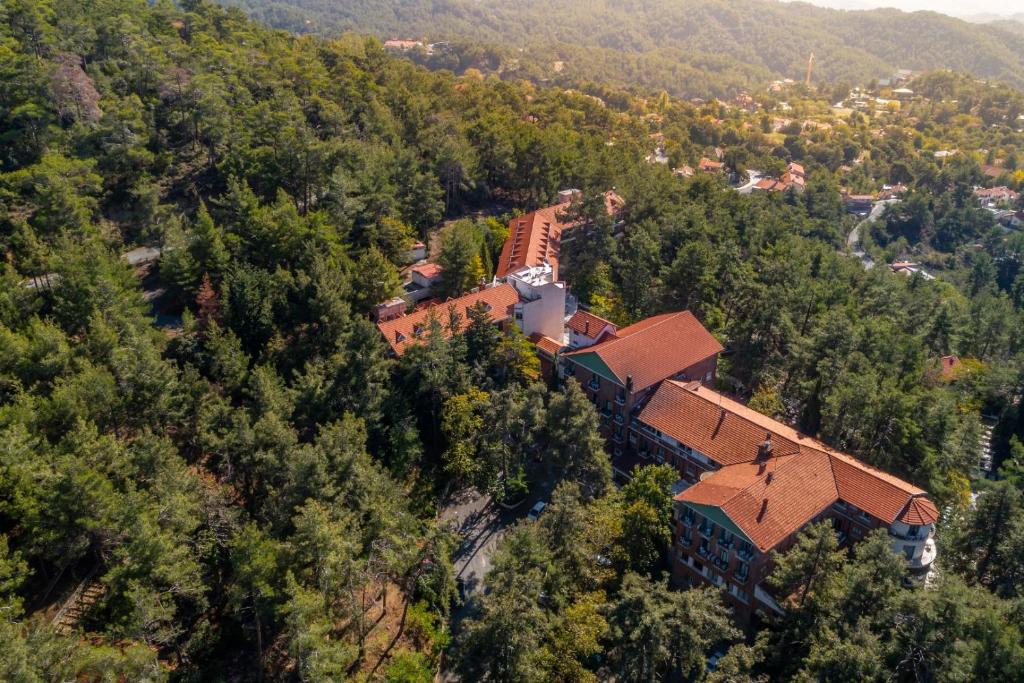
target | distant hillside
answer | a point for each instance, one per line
(626, 40)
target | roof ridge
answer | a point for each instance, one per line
(695, 391)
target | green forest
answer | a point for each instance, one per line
(689, 48)
(219, 463)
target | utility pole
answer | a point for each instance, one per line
(810, 69)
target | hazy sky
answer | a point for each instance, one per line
(954, 7)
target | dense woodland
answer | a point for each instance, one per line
(696, 47)
(254, 484)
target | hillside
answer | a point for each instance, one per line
(645, 38)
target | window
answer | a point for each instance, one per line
(707, 528)
(707, 378)
(913, 531)
(742, 572)
(908, 550)
(855, 531)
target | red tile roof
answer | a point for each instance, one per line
(407, 330)
(534, 238)
(919, 512)
(723, 433)
(709, 166)
(806, 475)
(588, 324)
(655, 348)
(769, 509)
(545, 343)
(427, 270)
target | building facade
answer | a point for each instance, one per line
(749, 484)
(620, 369)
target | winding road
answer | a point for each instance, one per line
(853, 240)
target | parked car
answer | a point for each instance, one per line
(535, 511)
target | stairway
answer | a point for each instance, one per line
(78, 604)
(985, 447)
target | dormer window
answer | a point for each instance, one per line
(417, 330)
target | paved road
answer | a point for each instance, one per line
(752, 179)
(853, 240)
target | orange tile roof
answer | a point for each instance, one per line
(535, 238)
(588, 324)
(919, 512)
(769, 509)
(655, 349)
(723, 433)
(545, 343)
(428, 270)
(709, 165)
(808, 476)
(401, 332)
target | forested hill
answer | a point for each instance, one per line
(646, 41)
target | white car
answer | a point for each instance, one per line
(535, 511)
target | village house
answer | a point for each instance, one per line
(619, 368)
(421, 282)
(749, 484)
(858, 203)
(794, 178)
(995, 196)
(402, 44)
(909, 268)
(708, 166)
(683, 171)
(417, 252)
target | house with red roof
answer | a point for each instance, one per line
(708, 166)
(622, 367)
(586, 329)
(749, 484)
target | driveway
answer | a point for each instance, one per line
(481, 523)
(752, 179)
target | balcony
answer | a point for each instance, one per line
(707, 531)
(594, 383)
(720, 563)
(618, 418)
(742, 573)
(620, 398)
(745, 554)
(606, 412)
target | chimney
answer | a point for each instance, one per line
(764, 451)
(586, 327)
(764, 509)
(629, 384)
(768, 479)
